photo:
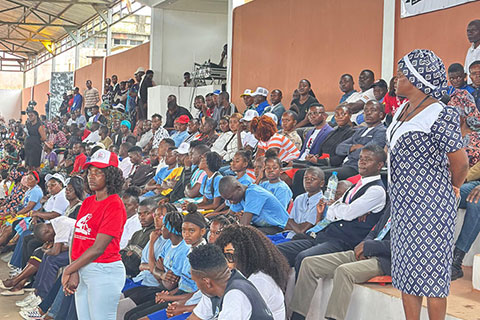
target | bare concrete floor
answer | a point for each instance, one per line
(8, 309)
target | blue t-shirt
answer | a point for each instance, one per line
(266, 209)
(245, 180)
(34, 195)
(162, 174)
(280, 190)
(206, 187)
(179, 136)
(146, 276)
(175, 259)
(262, 107)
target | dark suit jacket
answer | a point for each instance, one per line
(376, 135)
(380, 248)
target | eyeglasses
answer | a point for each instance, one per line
(229, 256)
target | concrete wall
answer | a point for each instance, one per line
(275, 46)
(92, 72)
(125, 64)
(188, 37)
(11, 103)
(444, 32)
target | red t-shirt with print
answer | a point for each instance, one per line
(108, 217)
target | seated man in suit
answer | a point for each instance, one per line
(352, 216)
(373, 134)
(315, 137)
(370, 258)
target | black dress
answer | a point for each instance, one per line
(33, 145)
(303, 107)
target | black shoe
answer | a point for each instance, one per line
(457, 271)
(297, 316)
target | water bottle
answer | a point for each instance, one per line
(331, 187)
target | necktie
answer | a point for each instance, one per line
(351, 194)
(384, 230)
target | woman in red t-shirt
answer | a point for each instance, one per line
(96, 274)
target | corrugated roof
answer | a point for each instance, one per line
(25, 23)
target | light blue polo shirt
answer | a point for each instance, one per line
(266, 209)
(280, 190)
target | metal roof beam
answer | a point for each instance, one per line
(105, 2)
(38, 24)
(44, 12)
(12, 8)
(101, 11)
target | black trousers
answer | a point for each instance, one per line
(147, 308)
(30, 243)
(297, 250)
(143, 294)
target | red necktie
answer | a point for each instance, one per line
(351, 194)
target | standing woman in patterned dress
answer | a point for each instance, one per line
(427, 165)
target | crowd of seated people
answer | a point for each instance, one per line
(110, 216)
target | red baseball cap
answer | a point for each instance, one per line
(102, 159)
(184, 119)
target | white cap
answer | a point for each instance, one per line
(249, 115)
(140, 69)
(260, 92)
(119, 106)
(183, 148)
(272, 115)
(247, 92)
(56, 176)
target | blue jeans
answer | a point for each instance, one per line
(471, 223)
(16, 259)
(99, 290)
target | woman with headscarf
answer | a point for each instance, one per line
(427, 165)
(33, 142)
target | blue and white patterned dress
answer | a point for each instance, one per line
(423, 200)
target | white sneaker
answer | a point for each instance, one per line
(31, 315)
(25, 302)
(28, 308)
(35, 302)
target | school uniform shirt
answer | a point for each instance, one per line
(33, 195)
(245, 180)
(305, 208)
(206, 187)
(266, 286)
(175, 259)
(63, 228)
(288, 150)
(145, 276)
(132, 225)
(264, 206)
(179, 137)
(107, 216)
(57, 203)
(280, 190)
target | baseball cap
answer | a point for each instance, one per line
(247, 92)
(217, 92)
(183, 119)
(183, 148)
(260, 92)
(140, 69)
(249, 115)
(56, 176)
(272, 115)
(102, 159)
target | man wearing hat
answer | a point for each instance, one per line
(248, 99)
(181, 124)
(260, 98)
(249, 138)
(57, 204)
(380, 89)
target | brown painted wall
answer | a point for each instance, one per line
(26, 97)
(444, 32)
(92, 72)
(277, 45)
(125, 64)
(40, 95)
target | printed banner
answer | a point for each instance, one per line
(414, 7)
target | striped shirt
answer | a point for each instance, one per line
(91, 97)
(288, 150)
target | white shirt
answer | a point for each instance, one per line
(373, 200)
(126, 166)
(63, 227)
(219, 144)
(362, 96)
(237, 306)
(57, 203)
(145, 139)
(472, 56)
(132, 225)
(93, 137)
(249, 140)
